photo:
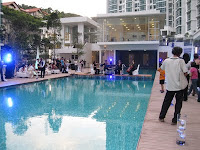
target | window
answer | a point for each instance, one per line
(189, 26)
(178, 12)
(189, 17)
(128, 9)
(178, 21)
(74, 56)
(178, 30)
(198, 23)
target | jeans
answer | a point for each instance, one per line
(194, 87)
(42, 72)
(167, 102)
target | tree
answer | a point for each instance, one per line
(79, 48)
(46, 44)
(54, 23)
(23, 31)
(26, 6)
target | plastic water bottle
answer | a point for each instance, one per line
(181, 129)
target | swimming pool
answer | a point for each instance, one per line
(73, 114)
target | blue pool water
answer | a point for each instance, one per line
(73, 114)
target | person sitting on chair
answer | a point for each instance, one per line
(118, 67)
(131, 68)
(105, 66)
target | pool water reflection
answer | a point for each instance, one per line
(75, 114)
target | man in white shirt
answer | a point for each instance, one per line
(172, 67)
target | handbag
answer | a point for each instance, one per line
(183, 79)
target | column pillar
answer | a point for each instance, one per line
(100, 56)
(81, 33)
(114, 57)
(62, 32)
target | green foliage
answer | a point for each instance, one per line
(45, 56)
(54, 23)
(23, 6)
(79, 48)
(21, 21)
(2, 33)
(66, 15)
(46, 44)
(24, 32)
(48, 10)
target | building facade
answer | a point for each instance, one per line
(129, 36)
(77, 34)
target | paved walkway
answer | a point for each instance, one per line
(17, 81)
(162, 136)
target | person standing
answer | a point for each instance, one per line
(84, 63)
(186, 58)
(173, 67)
(197, 62)
(162, 79)
(1, 70)
(42, 67)
(62, 65)
(194, 77)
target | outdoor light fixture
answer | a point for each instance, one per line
(8, 58)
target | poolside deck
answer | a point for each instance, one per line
(155, 135)
(162, 135)
(85, 72)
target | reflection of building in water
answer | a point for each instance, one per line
(117, 103)
(20, 127)
(55, 121)
(2, 134)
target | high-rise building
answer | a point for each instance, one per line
(120, 6)
(182, 16)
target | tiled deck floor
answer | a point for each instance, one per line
(16, 81)
(162, 136)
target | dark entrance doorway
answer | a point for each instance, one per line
(146, 59)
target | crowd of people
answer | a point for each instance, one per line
(118, 69)
(56, 64)
(179, 73)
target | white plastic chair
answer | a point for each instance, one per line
(56, 71)
(92, 69)
(22, 74)
(136, 72)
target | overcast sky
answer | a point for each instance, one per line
(89, 8)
